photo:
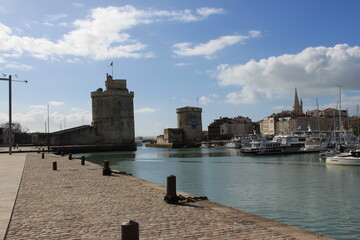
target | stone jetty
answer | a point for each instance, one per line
(77, 202)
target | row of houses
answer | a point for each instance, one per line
(285, 122)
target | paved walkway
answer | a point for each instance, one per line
(77, 202)
(11, 169)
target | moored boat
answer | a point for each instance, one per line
(350, 159)
(263, 147)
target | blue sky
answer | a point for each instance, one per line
(231, 58)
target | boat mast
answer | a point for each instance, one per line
(340, 123)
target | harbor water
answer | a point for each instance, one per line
(297, 189)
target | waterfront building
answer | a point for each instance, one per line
(188, 131)
(112, 126)
(287, 122)
(113, 113)
(227, 128)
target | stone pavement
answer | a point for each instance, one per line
(11, 169)
(77, 202)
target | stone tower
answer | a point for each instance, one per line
(113, 114)
(297, 107)
(189, 120)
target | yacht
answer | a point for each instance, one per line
(263, 147)
(351, 158)
(292, 142)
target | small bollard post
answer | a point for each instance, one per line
(106, 169)
(70, 156)
(130, 230)
(54, 165)
(171, 196)
(43, 155)
(82, 160)
(38, 151)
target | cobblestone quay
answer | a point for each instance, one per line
(77, 202)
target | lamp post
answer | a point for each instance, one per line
(9, 79)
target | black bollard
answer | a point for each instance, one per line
(171, 196)
(130, 230)
(54, 165)
(70, 156)
(82, 160)
(106, 169)
(43, 155)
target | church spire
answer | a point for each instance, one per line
(297, 107)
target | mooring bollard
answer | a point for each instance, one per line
(130, 230)
(171, 196)
(106, 169)
(54, 165)
(82, 160)
(43, 155)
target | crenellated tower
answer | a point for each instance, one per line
(113, 113)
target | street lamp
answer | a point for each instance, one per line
(9, 79)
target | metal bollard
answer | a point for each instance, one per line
(171, 196)
(106, 169)
(130, 230)
(43, 155)
(54, 165)
(82, 160)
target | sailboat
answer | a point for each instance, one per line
(351, 158)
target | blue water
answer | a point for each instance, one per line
(298, 189)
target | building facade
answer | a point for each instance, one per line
(287, 122)
(226, 128)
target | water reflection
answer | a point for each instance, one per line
(296, 189)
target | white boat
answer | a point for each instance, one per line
(263, 147)
(316, 143)
(350, 159)
(292, 141)
(233, 143)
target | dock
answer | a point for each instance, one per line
(77, 202)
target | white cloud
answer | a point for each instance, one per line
(56, 103)
(205, 100)
(315, 71)
(101, 35)
(211, 47)
(182, 64)
(145, 110)
(205, 11)
(16, 65)
(76, 4)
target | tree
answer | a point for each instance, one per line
(16, 127)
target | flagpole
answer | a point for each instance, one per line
(112, 69)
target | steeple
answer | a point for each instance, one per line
(297, 108)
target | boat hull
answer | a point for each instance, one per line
(343, 160)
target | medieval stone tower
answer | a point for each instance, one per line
(189, 120)
(113, 114)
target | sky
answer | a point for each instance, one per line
(230, 57)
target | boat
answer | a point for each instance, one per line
(293, 142)
(235, 142)
(351, 158)
(316, 143)
(263, 147)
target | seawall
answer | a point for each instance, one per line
(78, 202)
